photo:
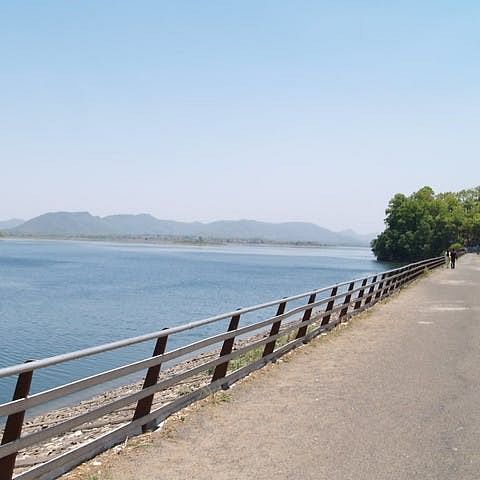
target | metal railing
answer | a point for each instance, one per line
(319, 310)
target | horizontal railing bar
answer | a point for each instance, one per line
(71, 423)
(82, 384)
(372, 284)
(69, 459)
(134, 426)
(49, 361)
(91, 415)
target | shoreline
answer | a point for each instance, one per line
(165, 241)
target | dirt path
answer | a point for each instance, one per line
(394, 395)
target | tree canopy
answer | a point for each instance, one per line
(425, 224)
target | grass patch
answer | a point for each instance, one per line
(256, 353)
(246, 359)
(221, 397)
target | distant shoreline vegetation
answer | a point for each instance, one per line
(174, 240)
(425, 224)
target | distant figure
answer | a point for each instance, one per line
(447, 258)
(453, 258)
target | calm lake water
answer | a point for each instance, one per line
(59, 296)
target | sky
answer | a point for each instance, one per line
(315, 111)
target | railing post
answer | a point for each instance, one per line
(144, 405)
(358, 303)
(227, 347)
(329, 307)
(346, 302)
(421, 269)
(302, 331)
(388, 282)
(14, 425)
(270, 346)
(370, 291)
(393, 282)
(399, 282)
(414, 273)
(404, 277)
(380, 287)
(409, 274)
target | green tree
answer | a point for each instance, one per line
(424, 224)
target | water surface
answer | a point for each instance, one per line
(59, 296)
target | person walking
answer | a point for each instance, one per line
(447, 258)
(453, 258)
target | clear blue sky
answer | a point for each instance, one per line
(271, 110)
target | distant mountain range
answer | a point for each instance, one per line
(85, 224)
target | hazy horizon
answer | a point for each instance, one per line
(271, 111)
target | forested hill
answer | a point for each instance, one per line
(85, 224)
(424, 224)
